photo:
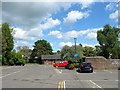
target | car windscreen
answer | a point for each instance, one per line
(86, 64)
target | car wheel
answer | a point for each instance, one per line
(91, 71)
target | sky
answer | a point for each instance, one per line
(59, 22)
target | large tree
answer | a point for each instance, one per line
(7, 42)
(41, 47)
(108, 40)
(68, 52)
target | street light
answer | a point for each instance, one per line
(75, 39)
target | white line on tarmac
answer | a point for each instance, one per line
(58, 71)
(12, 73)
(96, 84)
(108, 71)
(93, 80)
(7, 67)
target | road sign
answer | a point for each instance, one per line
(75, 55)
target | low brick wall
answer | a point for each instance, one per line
(103, 63)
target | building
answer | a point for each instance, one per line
(50, 59)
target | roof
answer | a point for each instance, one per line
(55, 56)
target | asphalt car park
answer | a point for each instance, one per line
(47, 76)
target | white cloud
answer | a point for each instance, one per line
(114, 16)
(75, 15)
(30, 35)
(29, 14)
(37, 32)
(51, 44)
(22, 34)
(56, 34)
(91, 35)
(109, 6)
(113, 7)
(49, 23)
(86, 4)
(22, 43)
(61, 44)
(71, 34)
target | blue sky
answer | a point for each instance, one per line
(58, 23)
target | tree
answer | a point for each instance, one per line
(25, 51)
(58, 52)
(67, 53)
(41, 47)
(7, 43)
(89, 51)
(98, 50)
(108, 40)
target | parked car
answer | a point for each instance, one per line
(61, 64)
(85, 67)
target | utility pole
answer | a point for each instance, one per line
(75, 44)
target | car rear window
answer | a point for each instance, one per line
(86, 63)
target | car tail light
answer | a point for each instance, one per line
(81, 66)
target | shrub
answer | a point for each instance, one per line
(77, 65)
(71, 66)
(11, 62)
(67, 67)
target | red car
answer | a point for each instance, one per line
(61, 64)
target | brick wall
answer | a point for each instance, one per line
(103, 63)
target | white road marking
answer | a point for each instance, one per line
(58, 71)
(94, 80)
(96, 84)
(7, 67)
(108, 71)
(12, 73)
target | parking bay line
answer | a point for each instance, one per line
(58, 71)
(12, 73)
(95, 84)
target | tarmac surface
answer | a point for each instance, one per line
(46, 76)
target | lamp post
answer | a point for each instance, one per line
(75, 44)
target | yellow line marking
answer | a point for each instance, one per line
(61, 85)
